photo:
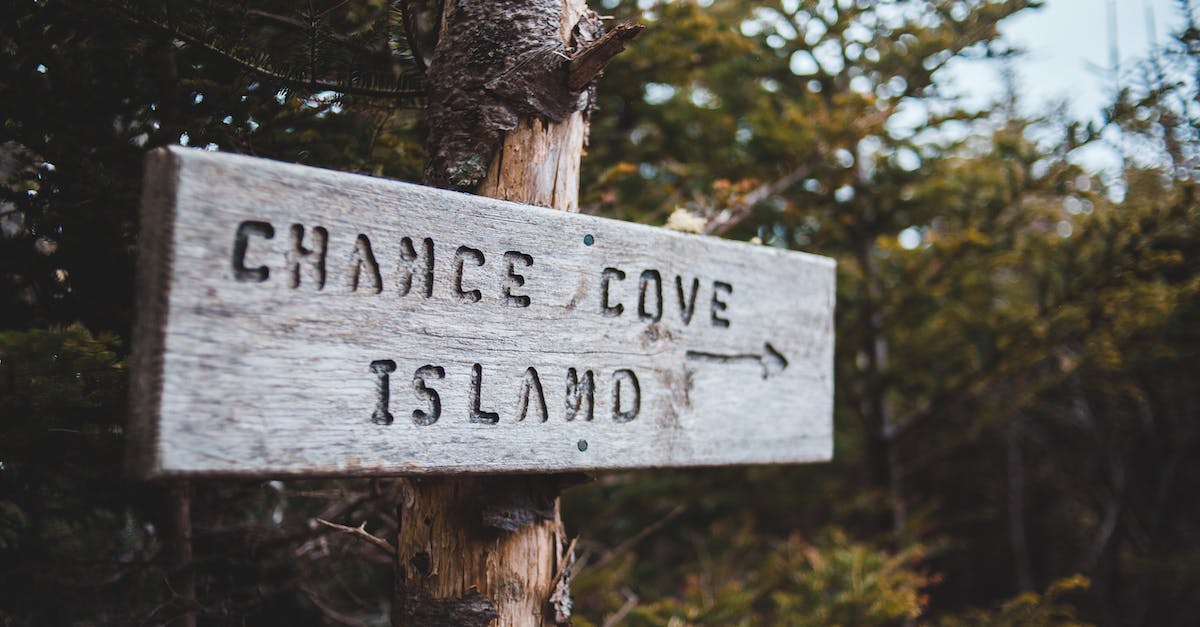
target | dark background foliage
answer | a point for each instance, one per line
(1017, 424)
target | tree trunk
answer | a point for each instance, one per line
(538, 164)
(876, 406)
(472, 550)
(491, 550)
(1017, 536)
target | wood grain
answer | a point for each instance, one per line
(239, 376)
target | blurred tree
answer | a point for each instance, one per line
(985, 282)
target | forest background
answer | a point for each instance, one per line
(1018, 339)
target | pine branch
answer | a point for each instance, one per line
(345, 40)
(306, 83)
(410, 35)
(300, 82)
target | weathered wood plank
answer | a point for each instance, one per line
(293, 322)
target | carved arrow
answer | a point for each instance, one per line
(771, 360)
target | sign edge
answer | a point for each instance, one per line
(154, 265)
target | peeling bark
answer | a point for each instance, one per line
(560, 599)
(472, 610)
(496, 63)
(591, 61)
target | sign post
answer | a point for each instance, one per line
(302, 322)
(298, 322)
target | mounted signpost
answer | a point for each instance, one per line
(308, 322)
(301, 322)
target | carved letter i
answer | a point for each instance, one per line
(381, 368)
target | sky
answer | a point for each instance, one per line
(1067, 44)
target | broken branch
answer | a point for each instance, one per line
(589, 62)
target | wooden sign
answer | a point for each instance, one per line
(296, 321)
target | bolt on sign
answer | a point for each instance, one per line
(297, 321)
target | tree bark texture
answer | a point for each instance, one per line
(502, 122)
(482, 551)
(502, 118)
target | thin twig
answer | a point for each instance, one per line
(631, 542)
(732, 216)
(332, 494)
(631, 601)
(325, 13)
(291, 22)
(361, 531)
(307, 27)
(184, 575)
(311, 83)
(328, 610)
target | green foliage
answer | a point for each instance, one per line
(64, 517)
(1028, 608)
(840, 582)
(1007, 331)
(743, 577)
(59, 371)
(89, 88)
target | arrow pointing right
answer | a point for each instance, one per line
(772, 361)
